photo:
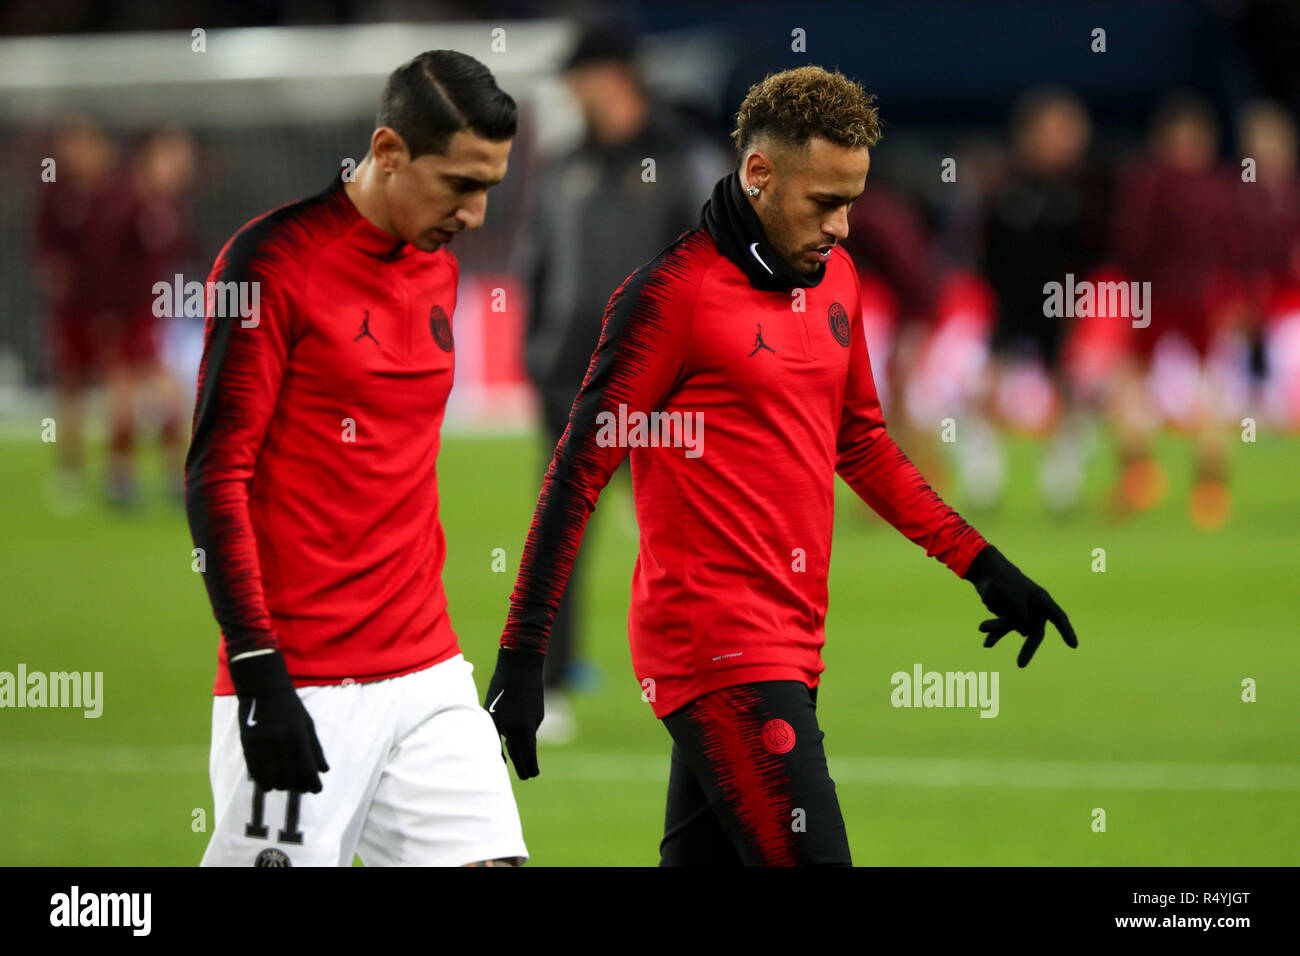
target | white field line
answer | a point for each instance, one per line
(28, 757)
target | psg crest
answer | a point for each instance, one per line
(440, 326)
(778, 736)
(839, 320)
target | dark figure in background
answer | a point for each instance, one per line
(1269, 209)
(1040, 226)
(597, 212)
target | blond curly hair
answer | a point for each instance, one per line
(793, 106)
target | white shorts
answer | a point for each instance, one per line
(416, 779)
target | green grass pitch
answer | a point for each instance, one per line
(1144, 721)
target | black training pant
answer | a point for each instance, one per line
(749, 784)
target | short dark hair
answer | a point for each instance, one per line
(602, 43)
(433, 96)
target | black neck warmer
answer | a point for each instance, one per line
(736, 229)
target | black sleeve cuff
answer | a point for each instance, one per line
(259, 674)
(985, 565)
(519, 665)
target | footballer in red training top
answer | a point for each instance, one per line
(312, 495)
(734, 368)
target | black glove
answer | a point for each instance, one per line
(514, 699)
(279, 738)
(1019, 603)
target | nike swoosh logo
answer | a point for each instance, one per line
(251, 711)
(492, 709)
(753, 251)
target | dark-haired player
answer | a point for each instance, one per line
(312, 494)
(729, 593)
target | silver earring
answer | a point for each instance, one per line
(752, 190)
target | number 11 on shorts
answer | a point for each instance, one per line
(256, 827)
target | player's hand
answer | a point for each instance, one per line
(279, 738)
(514, 699)
(1020, 604)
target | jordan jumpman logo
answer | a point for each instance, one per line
(365, 330)
(760, 344)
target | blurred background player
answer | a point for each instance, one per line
(72, 246)
(155, 242)
(106, 233)
(1175, 226)
(1270, 219)
(890, 245)
(1041, 224)
(594, 217)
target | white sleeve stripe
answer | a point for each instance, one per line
(240, 657)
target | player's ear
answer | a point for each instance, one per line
(388, 148)
(758, 169)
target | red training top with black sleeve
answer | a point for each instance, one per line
(771, 368)
(310, 484)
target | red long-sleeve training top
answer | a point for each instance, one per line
(730, 579)
(311, 484)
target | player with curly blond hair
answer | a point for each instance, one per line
(734, 369)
